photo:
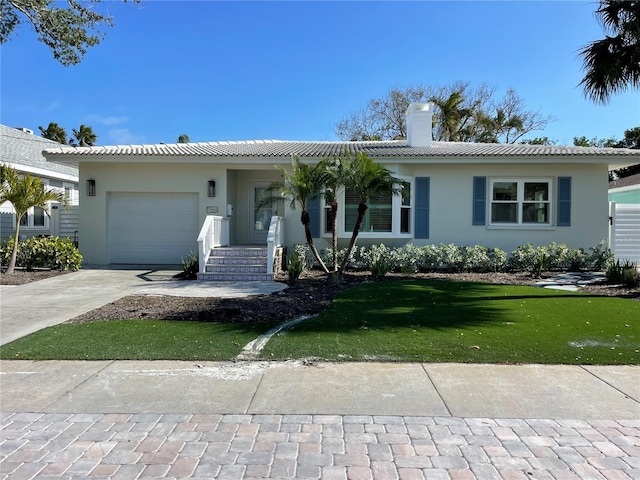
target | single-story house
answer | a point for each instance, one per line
(22, 150)
(147, 203)
(625, 190)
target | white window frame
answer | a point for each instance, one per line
(31, 212)
(70, 191)
(520, 201)
(396, 206)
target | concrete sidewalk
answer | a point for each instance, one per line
(491, 391)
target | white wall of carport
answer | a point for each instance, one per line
(451, 205)
(147, 178)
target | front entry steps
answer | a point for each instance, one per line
(237, 264)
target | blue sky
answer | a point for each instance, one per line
(290, 70)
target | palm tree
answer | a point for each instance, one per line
(334, 182)
(8, 176)
(613, 63)
(453, 116)
(24, 193)
(54, 132)
(366, 178)
(83, 137)
(301, 185)
(184, 138)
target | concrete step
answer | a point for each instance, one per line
(237, 264)
(236, 277)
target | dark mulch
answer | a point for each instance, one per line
(312, 294)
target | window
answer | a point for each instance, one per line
(521, 202)
(36, 217)
(387, 215)
(405, 208)
(377, 218)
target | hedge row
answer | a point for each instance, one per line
(410, 258)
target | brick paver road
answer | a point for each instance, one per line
(146, 446)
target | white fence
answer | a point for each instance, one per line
(624, 233)
(214, 233)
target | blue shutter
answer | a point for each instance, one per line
(422, 208)
(313, 207)
(564, 202)
(479, 200)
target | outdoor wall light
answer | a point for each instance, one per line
(211, 191)
(91, 188)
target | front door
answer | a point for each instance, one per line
(259, 216)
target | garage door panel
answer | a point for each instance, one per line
(152, 228)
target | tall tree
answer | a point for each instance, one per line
(612, 64)
(54, 132)
(462, 113)
(25, 192)
(184, 138)
(366, 178)
(299, 186)
(68, 31)
(334, 182)
(83, 137)
(595, 142)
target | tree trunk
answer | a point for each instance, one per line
(334, 234)
(304, 218)
(362, 209)
(14, 254)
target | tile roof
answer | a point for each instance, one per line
(625, 181)
(21, 148)
(384, 149)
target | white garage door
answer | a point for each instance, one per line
(152, 228)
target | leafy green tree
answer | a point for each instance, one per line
(453, 116)
(299, 186)
(366, 178)
(462, 113)
(83, 137)
(25, 192)
(595, 142)
(612, 64)
(538, 141)
(54, 132)
(68, 30)
(184, 138)
(8, 176)
(631, 138)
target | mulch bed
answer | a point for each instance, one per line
(312, 294)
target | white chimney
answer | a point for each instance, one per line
(419, 124)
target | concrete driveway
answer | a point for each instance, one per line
(27, 308)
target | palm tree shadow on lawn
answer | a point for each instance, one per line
(434, 304)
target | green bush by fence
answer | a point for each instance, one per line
(43, 252)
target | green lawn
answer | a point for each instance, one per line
(435, 321)
(135, 340)
(426, 321)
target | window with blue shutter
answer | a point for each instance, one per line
(422, 208)
(479, 200)
(564, 201)
(313, 208)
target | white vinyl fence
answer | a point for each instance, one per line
(624, 233)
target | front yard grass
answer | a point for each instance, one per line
(135, 340)
(407, 320)
(445, 321)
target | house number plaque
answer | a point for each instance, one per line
(212, 209)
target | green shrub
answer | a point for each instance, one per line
(191, 265)
(43, 252)
(600, 257)
(295, 266)
(623, 273)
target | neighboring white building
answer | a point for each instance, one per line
(149, 201)
(22, 150)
